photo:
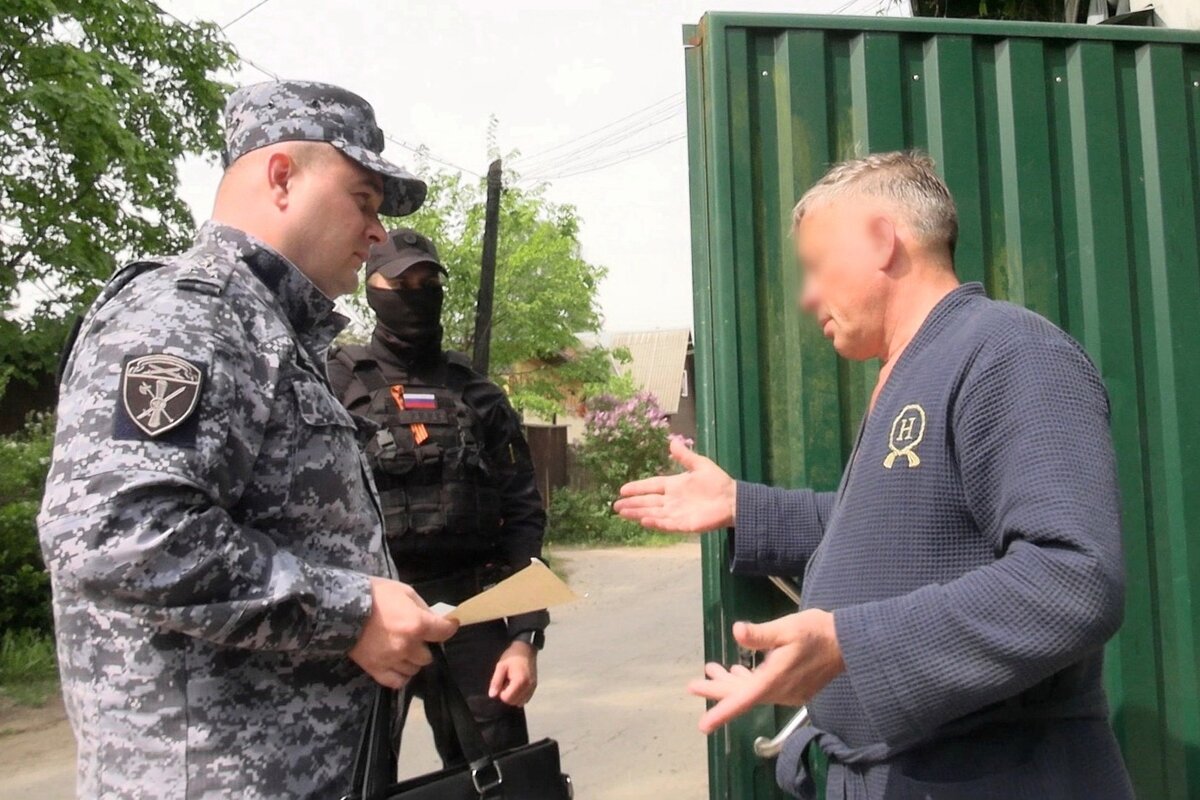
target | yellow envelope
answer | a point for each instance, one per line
(531, 589)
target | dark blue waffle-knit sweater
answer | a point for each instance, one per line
(972, 560)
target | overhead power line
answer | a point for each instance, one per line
(672, 98)
(424, 151)
(245, 13)
(599, 141)
(609, 145)
(272, 75)
(842, 9)
(614, 159)
(613, 138)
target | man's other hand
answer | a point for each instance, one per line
(515, 678)
(702, 498)
(803, 658)
(392, 647)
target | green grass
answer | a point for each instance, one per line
(28, 669)
(638, 538)
(584, 518)
(618, 535)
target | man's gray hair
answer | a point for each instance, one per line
(907, 179)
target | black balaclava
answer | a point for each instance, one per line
(410, 320)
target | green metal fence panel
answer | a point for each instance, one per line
(1074, 155)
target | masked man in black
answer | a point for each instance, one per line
(460, 503)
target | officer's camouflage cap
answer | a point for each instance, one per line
(402, 249)
(304, 111)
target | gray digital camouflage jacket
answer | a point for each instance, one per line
(210, 527)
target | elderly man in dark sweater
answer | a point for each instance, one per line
(962, 581)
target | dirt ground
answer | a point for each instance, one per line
(612, 688)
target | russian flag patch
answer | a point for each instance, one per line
(419, 401)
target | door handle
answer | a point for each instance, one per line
(770, 748)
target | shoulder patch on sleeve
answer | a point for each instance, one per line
(159, 395)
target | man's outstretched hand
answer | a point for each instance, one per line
(702, 498)
(803, 658)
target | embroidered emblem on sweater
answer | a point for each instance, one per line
(908, 429)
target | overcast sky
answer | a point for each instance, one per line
(552, 72)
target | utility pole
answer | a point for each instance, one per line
(487, 271)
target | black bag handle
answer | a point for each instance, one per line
(375, 763)
(484, 772)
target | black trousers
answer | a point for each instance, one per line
(472, 654)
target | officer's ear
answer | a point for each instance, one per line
(282, 169)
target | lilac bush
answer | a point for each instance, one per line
(623, 440)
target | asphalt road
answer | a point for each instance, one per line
(611, 689)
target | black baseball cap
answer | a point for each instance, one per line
(402, 249)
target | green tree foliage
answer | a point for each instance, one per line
(24, 584)
(545, 290)
(98, 100)
(30, 350)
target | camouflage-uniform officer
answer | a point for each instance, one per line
(209, 525)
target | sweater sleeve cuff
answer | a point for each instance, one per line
(343, 605)
(868, 671)
(743, 543)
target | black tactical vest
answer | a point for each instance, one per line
(429, 461)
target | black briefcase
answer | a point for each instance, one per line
(530, 772)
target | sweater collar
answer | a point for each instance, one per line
(945, 308)
(934, 323)
(941, 314)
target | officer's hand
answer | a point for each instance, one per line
(515, 678)
(804, 657)
(701, 499)
(391, 648)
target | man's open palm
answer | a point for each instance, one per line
(803, 656)
(700, 499)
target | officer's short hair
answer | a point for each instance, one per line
(308, 154)
(303, 154)
(905, 178)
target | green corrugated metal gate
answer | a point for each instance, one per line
(1074, 156)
